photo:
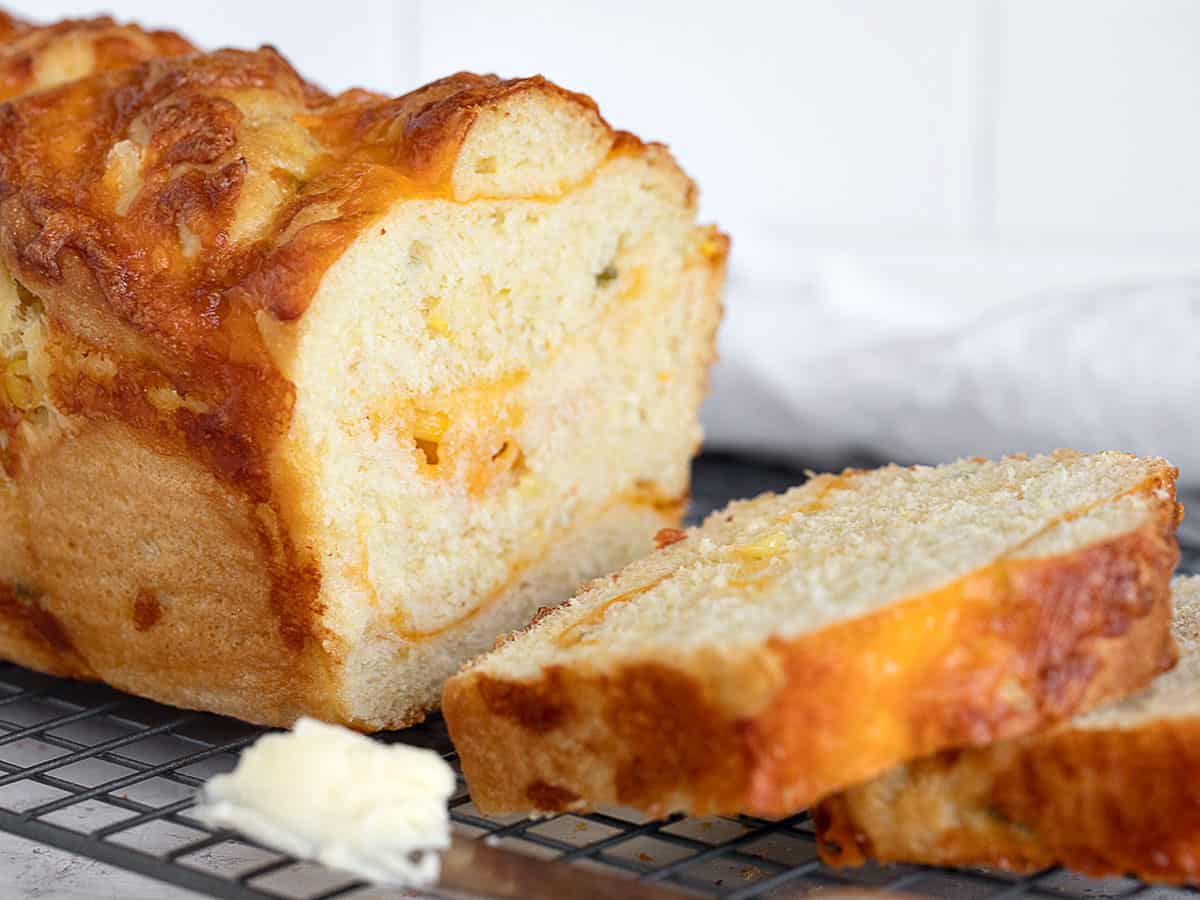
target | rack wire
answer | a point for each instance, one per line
(102, 775)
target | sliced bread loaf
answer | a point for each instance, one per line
(305, 398)
(1115, 791)
(796, 644)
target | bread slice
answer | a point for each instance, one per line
(309, 397)
(793, 645)
(1115, 791)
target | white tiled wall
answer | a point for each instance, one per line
(1096, 116)
(819, 122)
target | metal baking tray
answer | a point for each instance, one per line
(90, 774)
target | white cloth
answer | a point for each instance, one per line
(927, 360)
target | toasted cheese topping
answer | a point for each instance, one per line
(37, 57)
(231, 181)
(323, 792)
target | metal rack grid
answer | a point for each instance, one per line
(97, 773)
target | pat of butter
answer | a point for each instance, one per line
(324, 792)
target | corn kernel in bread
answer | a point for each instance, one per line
(307, 398)
(1113, 792)
(796, 644)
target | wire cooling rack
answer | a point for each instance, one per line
(109, 777)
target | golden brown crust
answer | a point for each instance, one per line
(1006, 651)
(11, 26)
(1104, 802)
(433, 120)
(161, 583)
(338, 165)
(36, 57)
(26, 623)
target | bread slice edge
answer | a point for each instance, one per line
(1106, 801)
(775, 730)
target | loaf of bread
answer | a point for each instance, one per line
(794, 645)
(308, 397)
(1113, 792)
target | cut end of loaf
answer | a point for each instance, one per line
(522, 422)
(970, 602)
(1109, 793)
